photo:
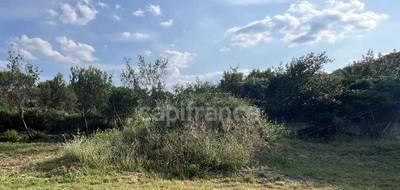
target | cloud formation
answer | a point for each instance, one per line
(79, 15)
(305, 23)
(116, 17)
(72, 52)
(102, 4)
(224, 49)
(118, 7)
(167, 23)
(81, 51)
(147, 52)
(178, 59)
(136, 36)
(139, 13)
(154, 9)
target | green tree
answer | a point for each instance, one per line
(18, 84)
(232, 81)
(147, 79)
(92, 88)
(122, 103)
(295, 87)
(55, 94)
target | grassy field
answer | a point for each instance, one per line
(289, 164)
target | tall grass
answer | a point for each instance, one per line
(185, 148)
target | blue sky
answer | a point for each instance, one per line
(200, 38)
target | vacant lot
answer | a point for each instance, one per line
(288, 164)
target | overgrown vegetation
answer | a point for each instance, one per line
(363, 93)
(195, 130)
(185, 147)
(289, 164)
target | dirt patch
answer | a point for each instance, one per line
(21, 159)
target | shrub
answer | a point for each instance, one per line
(12, 136)
(93, 152)
(38, 136)
(184, 147)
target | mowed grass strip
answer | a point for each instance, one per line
(302, 165)
(363, 164)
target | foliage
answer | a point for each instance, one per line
(17, 83)
(147, 79)
(183, 148)
(365, 91)
(56, 95)
(12, 136)
(122, 103)
(92, 87)
(148, 76)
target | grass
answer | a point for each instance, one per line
(289, 164)
(361, 164)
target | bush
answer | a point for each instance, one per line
(182, 147)
(93, 152)
(12, 136)
(38, 136)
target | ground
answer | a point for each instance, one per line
(289, 164)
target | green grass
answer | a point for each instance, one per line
(289, 164)
(362, 164)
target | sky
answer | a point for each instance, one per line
(200, 38)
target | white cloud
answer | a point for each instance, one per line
(83, 52)
(140, 36)
(154, 9)
(72, 52)
(102, 4)
(305, 23)
(79, 15)
(26, 54)
(167, 23)
(178, 59)
(52, 12)
(178, 78)
(147, 52)
(135, 36)
(116, 17)
(114, 68)
(126, 34)
(38, 45)
(118, 7)
(139, 13)
(224, 49)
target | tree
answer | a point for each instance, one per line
(147, 79)
(55, 94)
(92, 88)
(122, 102)
(232, 81)
(295, 87)
(18, 83)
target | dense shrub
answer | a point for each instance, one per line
(52, 122)
(12, 136)
(184, 147)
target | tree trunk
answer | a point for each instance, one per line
(86, 124)
(25, 125)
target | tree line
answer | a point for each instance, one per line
(300, 91)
